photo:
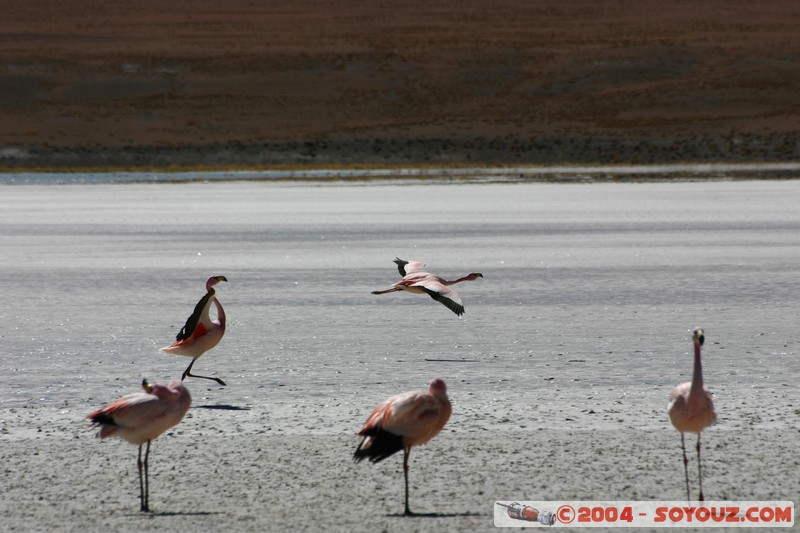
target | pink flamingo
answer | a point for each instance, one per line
(691, 408)
(200, 333)
(418, 281)
(404, 420)
(142, 417)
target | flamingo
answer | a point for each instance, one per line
(402, 421)
(200, 333)
(416, 280)
(141, 417)
(691, 409)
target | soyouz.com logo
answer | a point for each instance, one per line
(643, 514)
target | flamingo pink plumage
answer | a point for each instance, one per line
(141, 417)
(416, 280)
(691, 409)
(402, 421)
(200, 333)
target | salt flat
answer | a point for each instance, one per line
(559, 371)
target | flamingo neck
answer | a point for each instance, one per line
(459, 280)
(697, 376)
(220, 313)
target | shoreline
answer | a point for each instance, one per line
(397, 151)
(427, 173)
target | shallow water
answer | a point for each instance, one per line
(589, 294)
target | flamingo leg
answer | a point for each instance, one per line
(146, 506)
(142, 506)
(406, 454)
(387, 290)
(685, 468)
(699, 467)
(188, 373)
(188, 368)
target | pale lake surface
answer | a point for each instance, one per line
(589, 287)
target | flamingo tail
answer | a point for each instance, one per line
(382, 444)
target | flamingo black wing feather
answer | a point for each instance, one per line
(191, 323)
(383, 444)
(454, 306)
(401, 265)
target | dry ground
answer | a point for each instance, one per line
(87, 82)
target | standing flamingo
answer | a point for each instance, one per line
(691, 408)
(200, 333)
(142, 417)
(404, 420)
(418, 281)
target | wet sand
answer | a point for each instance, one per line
(559, 371)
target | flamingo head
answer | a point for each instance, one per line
(437, 386)
(213, 280)
(698, 337)
(474, 275)
(173, 391)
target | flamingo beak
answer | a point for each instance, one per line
(221, 278)
(147, 387)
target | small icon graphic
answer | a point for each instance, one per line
(565, 514)
(529, 514)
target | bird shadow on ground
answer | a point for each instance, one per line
(222, 407)
(430, 360)
(185, 513)
(432, 515)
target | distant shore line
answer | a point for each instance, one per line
(431, 173)
(468, 150)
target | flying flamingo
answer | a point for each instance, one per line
(416, 280)
(404, 420)
(691, 408)
(200, 333)
(142, 417)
